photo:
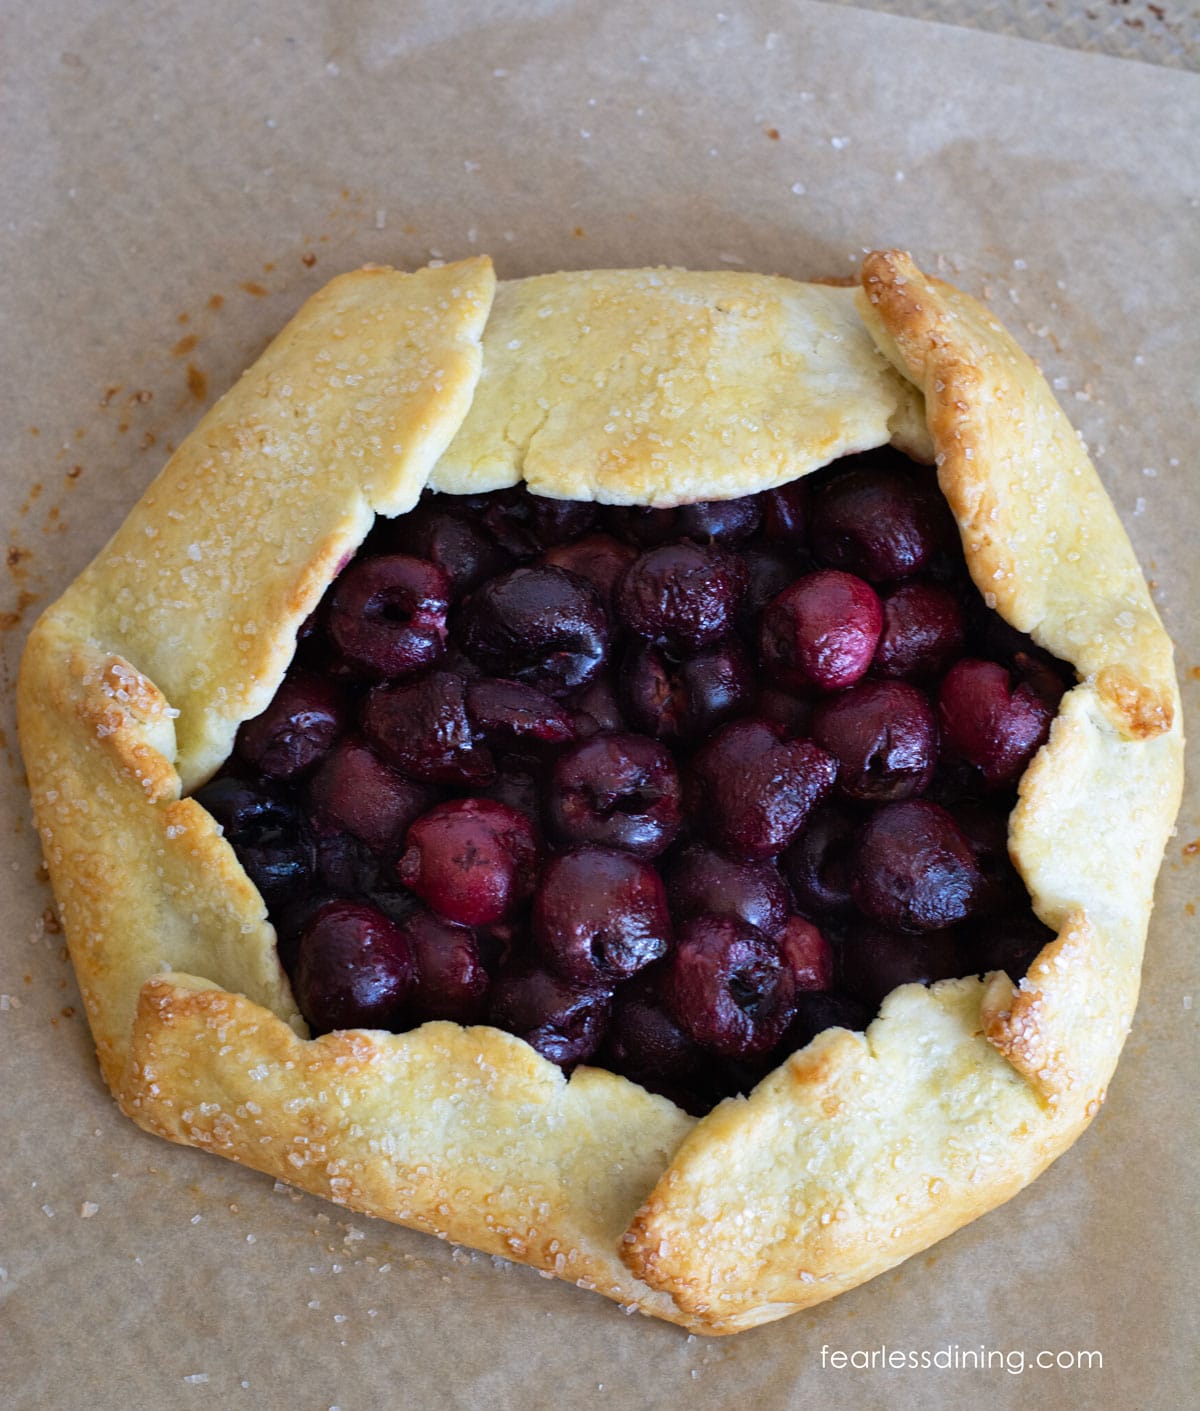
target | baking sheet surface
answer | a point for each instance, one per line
(175, 181)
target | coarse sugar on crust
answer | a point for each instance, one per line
(632, 387)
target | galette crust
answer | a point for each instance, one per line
(663, 386)
(858, 1151)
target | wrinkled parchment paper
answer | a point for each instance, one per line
(176, 179)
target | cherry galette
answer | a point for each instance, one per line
(674, 747)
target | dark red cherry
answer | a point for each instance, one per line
(704, 882)
(600, 915)
(600, 559)
(618, 791)
(643, 525)
(754, 789)
(821, 631)
(387, 616)
(346, 866)
(471, 860)
(807, 953)
(354, 969)
(875, 959)
(730, 521)
(542, 626)
(995, 723)
(913, 869)
(883, 735)
(449, 541)
(564, 1023)
(518, 787)
(423, 729)
(296, 730)
(682, 596)
(878, 520)
(452, 982)
(524, 524)
(792, 713)
(985, 827)
(646, 1044)
(768, 572)
(354, 789)
(684, 700)
(785, 514)
(820, 863)
(509, 712)
(923, 632)
(597, 707)
(728, 987)
(269, 834)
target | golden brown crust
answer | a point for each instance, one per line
(463, 1133)
(662, 386)
(1043, 542)
(859, 1150)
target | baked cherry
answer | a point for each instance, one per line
(518, 788)
(452, 982)
(354, 789)
(423, 729)
(807, 953)
(600, 559)
(793, 714)
(354, 969)
(684, 700)
(511, 712)
(730, 521)
(471, 860)
(728, 987)
(985, 828)
(785, 514)
(346, 866)
(296, 730)
(704, 882)
(267, 831)
(819, 864)
(875, 959)
(450, 542)
(682, 596)
(754, 789)
(913, 869)
(883, 735)
(597, 707)
(387, 616)
(543, 626)
(643, 525)
(564, 1023)
(878, 520)
(646, 1044)
(600, 915)
(768, 572)
(821, 631)
(524, 524)
(991, 721)
(617, 791)
(924, 627)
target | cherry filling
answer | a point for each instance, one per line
(666, 790)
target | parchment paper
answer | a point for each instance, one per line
(175, 180)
